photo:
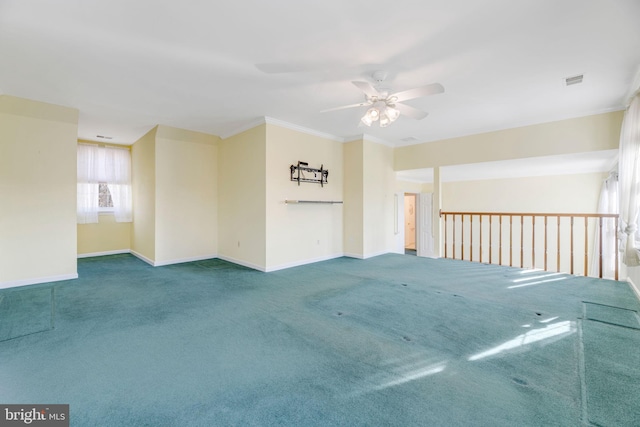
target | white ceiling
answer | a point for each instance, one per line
(129, 65)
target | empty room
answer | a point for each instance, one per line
(332, 214)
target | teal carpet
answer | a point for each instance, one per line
(393, 340)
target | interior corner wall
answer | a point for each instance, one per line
(302, 233)
(38, 158)
(186, 222)
(369, 199)
(353, 235)
(242, 198)
(378, 202)
(143, 182)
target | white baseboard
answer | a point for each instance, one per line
(116, 252)
(242, 263)
(182, 260)
(148, 260)
(634, 287)
(352, 255)
(37, 280)
(143, 258)
(373, 254)
(303, 262)
(367, 256)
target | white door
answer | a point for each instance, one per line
(424, 224)
(398, 226)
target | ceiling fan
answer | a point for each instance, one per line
(386, 107)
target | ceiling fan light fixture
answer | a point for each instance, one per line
(392, 112)
(373, 114)
(384, 120)
(366, 120)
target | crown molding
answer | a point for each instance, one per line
(302, 129)
(283, 124)
(370, 138)
(244, 127)
(634, 89)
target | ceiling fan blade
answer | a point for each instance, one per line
(362, 104)
(367, 89)
(411, 112)
(418, 92)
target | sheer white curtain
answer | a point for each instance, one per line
(88, 166)
(609, 204)
(118, 179)
(629, 181)
(110, 165)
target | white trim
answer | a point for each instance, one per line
(269, 120)
(302, 129)
(374, 254)
(143, 258)
(242, 263)
(370, 138)
(35, 281)
(634, 287)
(366, 256)
(242, 128)
(352, 255)
(303, 262)
(116, 252)
(183, 260)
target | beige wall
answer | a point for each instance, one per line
(37, 192)
(378, 201)
(143, 181)
(242, 198)
(298, 233)
(107, 236)
(369, 199)
(590, 133)
(186, 195)
(353, 199)
(557, 194)
(410, 187)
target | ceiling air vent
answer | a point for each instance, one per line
(104, 137)
(409, 139)
(574, 80)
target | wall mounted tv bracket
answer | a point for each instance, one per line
(302, 173)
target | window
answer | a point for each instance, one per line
(104, 183)
(105, 201)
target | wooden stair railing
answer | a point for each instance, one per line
(570, 241)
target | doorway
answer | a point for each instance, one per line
(410, 235)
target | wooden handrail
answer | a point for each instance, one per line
(577, 215)
(560, 245)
